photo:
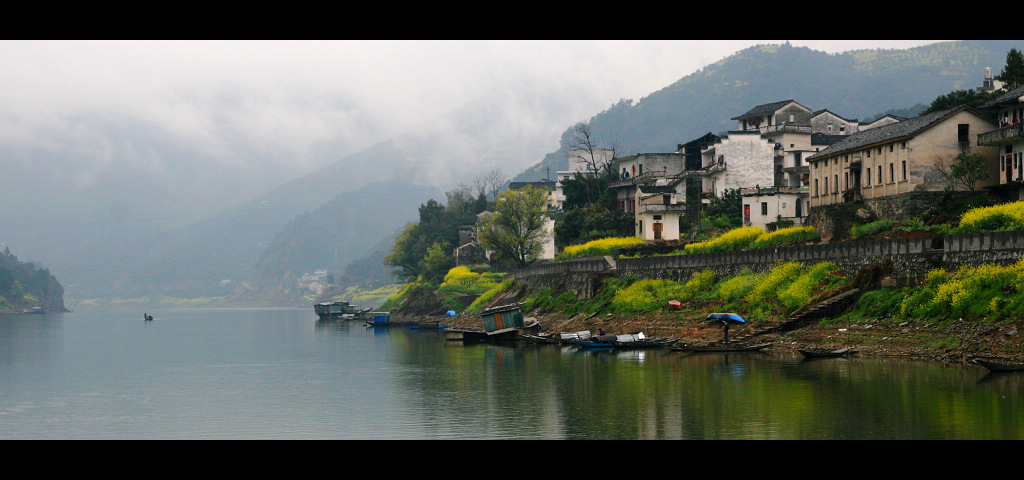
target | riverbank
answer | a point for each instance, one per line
(947, 340)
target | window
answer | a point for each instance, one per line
(846, 180)
(764, 208)
(867, 171)
(815, 187)
(867, 153)
(826, 186)
(836, 178)
(904, 169)
(879, 174)
(657, 217)
(903, 145)
(890, 147)
(892, 174)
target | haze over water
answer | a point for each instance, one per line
(281, 374)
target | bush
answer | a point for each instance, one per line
(603, 246)
(786, 235)
(736, 239)
(798, 293)
(860, 231)
(1007, 216)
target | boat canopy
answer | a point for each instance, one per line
(728, 317)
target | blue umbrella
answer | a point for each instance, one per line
(451, 313)
(726, 319)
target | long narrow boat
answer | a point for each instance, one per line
(635, 340)
(827, 353)
(724, 348)
(997, 365)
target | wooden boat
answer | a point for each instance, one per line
(999, 365)
(827, 353)
(338, 311)
(383, 319)
(724, 348)
(633, 340)
(556, 338)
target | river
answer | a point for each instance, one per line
(282, 374)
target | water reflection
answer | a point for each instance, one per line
(551, 391)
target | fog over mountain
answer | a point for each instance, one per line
(125, 165)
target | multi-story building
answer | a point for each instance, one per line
(887, 163)
(1008, 137)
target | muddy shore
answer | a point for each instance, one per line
(945, 340)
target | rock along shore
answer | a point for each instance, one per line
(946, 340)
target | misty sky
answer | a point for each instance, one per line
(306, 103)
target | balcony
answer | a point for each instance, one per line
(1002, 136)
(661, 207)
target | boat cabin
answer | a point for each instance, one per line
(504, 318)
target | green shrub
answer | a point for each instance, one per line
(798, 293)
(738, 286)
(733, 240)
(603, 246)
(1007, 216)
(860, 231)
(774, 281)
(785, 235)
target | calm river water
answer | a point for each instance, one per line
(281, 374)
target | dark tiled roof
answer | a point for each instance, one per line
(763, 109)
(826, 139)
(655, 189)
(819, 112)
(1009, 98)
(871, 136)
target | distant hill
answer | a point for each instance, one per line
(26, 285)
(116, 252)
(855, 85)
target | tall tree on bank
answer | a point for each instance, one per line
(515, 231)
(1012, 75)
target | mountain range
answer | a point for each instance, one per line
(132, 236)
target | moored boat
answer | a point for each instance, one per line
(338, 311)
(999, 365)
(841, 352)
(632, 340)
(383, 319)
(722, 348)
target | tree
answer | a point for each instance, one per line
(971, 98)
(1012, 75)
(491, 182)
(515, 231)
(583, 141)
(966, 170)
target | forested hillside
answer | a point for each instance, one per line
(25, 285)
(857, 85)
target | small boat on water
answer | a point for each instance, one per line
(556, 338)
(720, 348)
(632, 340)
(338, 311)
(34, 310)
(999, 365)
(842, 352)
(383, 320)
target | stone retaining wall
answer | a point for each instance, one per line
(911, 258)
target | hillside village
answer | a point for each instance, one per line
(792, 165)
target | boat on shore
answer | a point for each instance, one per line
(841, 352)
(720, 348)
(999, 365)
